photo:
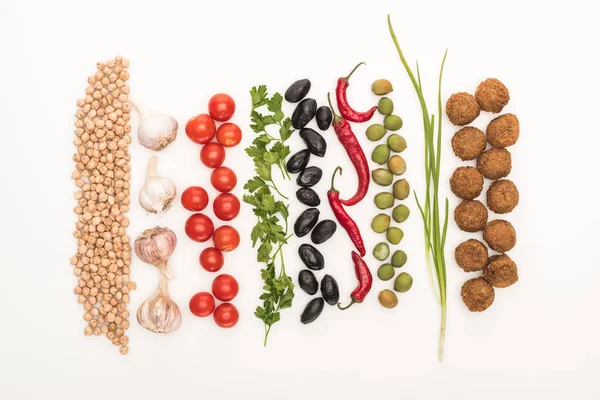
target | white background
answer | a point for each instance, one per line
(538, 340)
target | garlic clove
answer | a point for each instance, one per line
(155, 246)
(158, 193)
(159, 313)
(155, 131)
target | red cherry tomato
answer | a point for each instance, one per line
(226, 238)
(221, 107)
(211, 259)
(226, 206)
(202, 304)
(201, 128)
(212, 155)
(223, 179)
(226, 315)
(225, 287)
(194, 198)
(199, 227)
(229, 134)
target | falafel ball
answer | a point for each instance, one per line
(503, 131)
(471, 216)
(492, 95)
(477, 294)
(462, 108)
(466, 183)
(468, 143)
(502, 196)
(471, 255)
(500, 235)
(501, 271)
(495, 163)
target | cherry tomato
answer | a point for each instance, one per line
(212, 155)
(202, 304)
(221, 107)
(194, 198)
(226, 238)
(226, 206)
(211, 259)
(199, 227)
(223, 179)
(226, 315)
(229, 134)
(225, 287)
(201, 128)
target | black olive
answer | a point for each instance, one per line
(304, 112)
(297, 91)
(324, 117)
(308, 197)
(308, 282)
(309, 177)
(311, 257)
(298, 161)
(306, 221)
(323, 231)
(330, 290)
(315, 143)
(313, 309)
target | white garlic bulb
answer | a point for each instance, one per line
(158, 193)
(155, 131)
(155, 246)
(160, 314)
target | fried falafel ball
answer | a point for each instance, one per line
(462, 108)
(492, 95)
(468, 143)
(502, 196)
(477, 294)
(500, 235)
(495, 163)
(466, 182)
(471, 255)
(471, 216)
(503, 131)
(501, 271)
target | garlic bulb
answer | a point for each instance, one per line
(160, 314)
(155, 131)
(155, 246)
(158, 192)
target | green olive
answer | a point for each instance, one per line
(399, 258)
(394, 235)
(386, 272)
(380, 223)
(396, 165)
(401, 189)
(385, 106)
(396, 143)
(381, 87)
(392, 122)
(403, 282)
(375, 132)
(380, 154)
(400, 213)
(381, 251)
(382, 177)
(384, 200)
(387, 298)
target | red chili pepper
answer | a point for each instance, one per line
(365, 281)
(348, 112)
(343, 218)
(355, 152)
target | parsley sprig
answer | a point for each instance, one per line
(269, 234)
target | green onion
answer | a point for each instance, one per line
(435, 234)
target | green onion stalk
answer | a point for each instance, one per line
(435, 232)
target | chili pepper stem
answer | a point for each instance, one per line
(332, 189)
(348, 306)
(336, 118)
(346, 78)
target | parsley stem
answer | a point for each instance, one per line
(273, 186)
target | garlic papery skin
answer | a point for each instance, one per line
(158, 193)
(155, 246)
(160, 314)
(155, 131)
